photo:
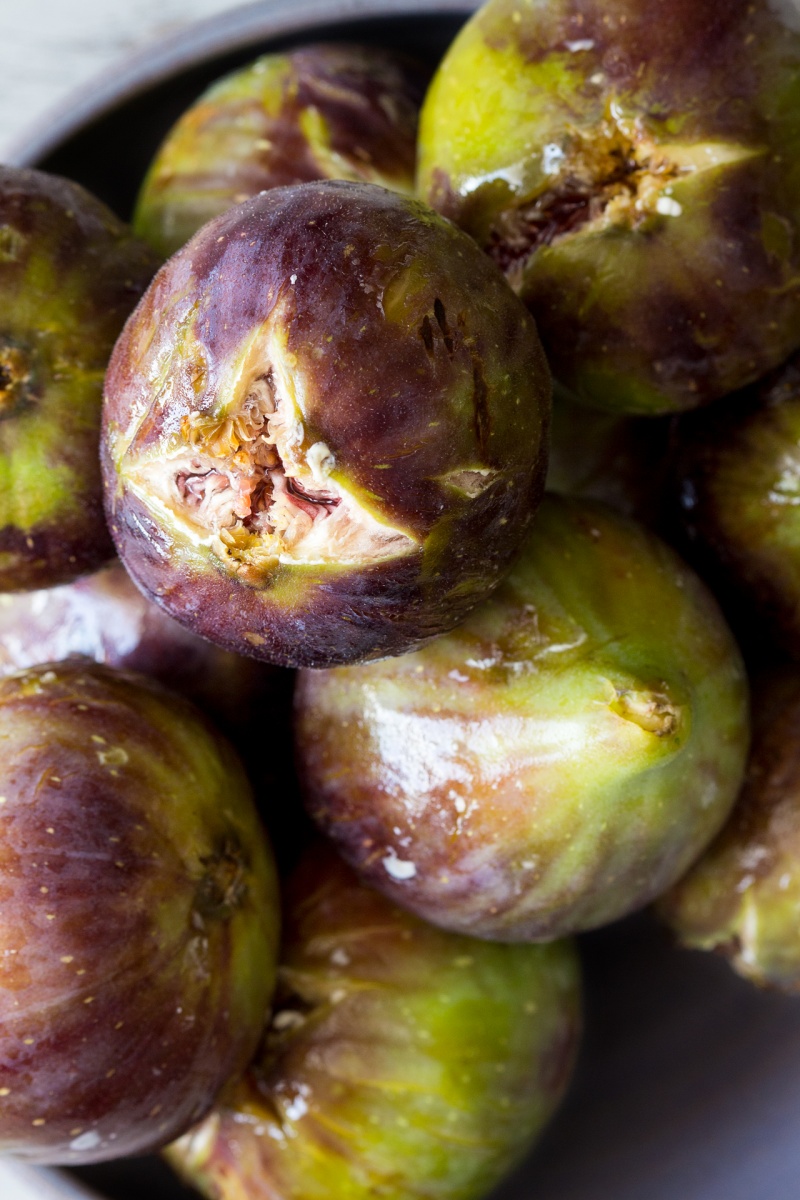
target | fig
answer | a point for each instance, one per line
(401, 1061)
(736, 483)
(325, 427)
(557, 761)
(332, 111)
(599, 455)
(743, 896)
(138, 915)
(70, 273)
(631, 165)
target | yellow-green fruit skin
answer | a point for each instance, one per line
(557, 761)
(327, 111)
(70, 274)
(138, 915)
(742, 898)
(632, 164)
(401, 1062)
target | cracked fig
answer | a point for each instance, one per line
(325, 427)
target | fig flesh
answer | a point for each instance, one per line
(557, 761)
(325, 427)
(401, 1061)
(138, 915)
(328, 111)
(631, 164)
(743, 897)
(70, 274)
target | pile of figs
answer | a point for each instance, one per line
(457, 445)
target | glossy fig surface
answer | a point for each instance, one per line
(325, 427)
(70, 274)
(631, 164)
(737, 490)
(401, 1061)
(327, 111)
(742, 898)
(138, 915)
(554, 763)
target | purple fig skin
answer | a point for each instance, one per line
(328, 111)
(736, 483)
(401, 1062)
(553, 764)
(632, 166)
(70, 275)
(742, 898)
(138, 915)
(325, 427)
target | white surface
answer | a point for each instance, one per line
(50, 47)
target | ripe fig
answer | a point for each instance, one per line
(325, 427)
(138, 915)
(401, 1061)
(556, 762)
(737, 484)
(631, 166)
(328, 111)
(743, 896)
(70, 273)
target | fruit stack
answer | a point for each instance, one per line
(308, 401)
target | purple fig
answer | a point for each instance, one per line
(70, 274)
(400, 1062)
(138, 915)
(325, 427)
(557, 761)
(328, 111)
(632, 166)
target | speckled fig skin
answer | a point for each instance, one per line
(332, 111)
(138, 915)
(622, 461)
(632, 165)
(736, 483)
(401, 1062)
(70, 274)
(553, 764)
(397, 357)
(743, 897)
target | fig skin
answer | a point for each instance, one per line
(105, 617)
(70, 274)
(401, 1061)
(317, 112)
(743, 896)
(396, 374)
(622, 461)
(138, 915)
(736, 483)
(556, 762)
(631, 164)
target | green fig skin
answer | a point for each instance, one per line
(556, 762)
(325, 427)
(736, 484)
(401, 1061)
(317, 112)
(621, 461)
(138, 915)
(632, 165)
(70, 274)
(742, 898)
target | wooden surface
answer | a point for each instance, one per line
(48, 48)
